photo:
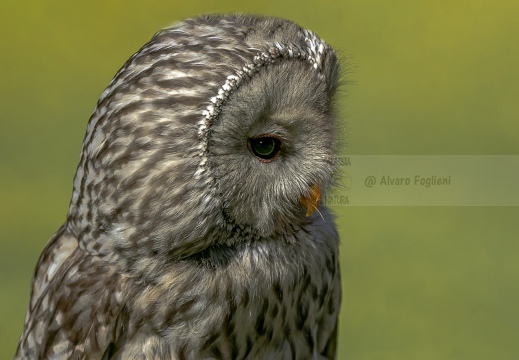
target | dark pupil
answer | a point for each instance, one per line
(265, 147)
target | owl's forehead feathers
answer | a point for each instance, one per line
(234, 45)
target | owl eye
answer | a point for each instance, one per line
(265, 147)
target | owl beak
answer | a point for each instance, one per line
(312, 200)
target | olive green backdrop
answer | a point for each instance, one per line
(423, 77)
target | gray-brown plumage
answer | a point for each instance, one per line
(191, 232)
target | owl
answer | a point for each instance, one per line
(195, 229)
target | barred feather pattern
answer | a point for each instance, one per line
(178, 243)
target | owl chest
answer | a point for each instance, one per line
(278, 323)
(237, 314)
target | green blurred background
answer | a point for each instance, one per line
(426, 77)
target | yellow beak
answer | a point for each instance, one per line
(312, 200)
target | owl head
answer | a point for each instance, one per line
(219, 130)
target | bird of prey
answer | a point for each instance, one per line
(195, 229)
